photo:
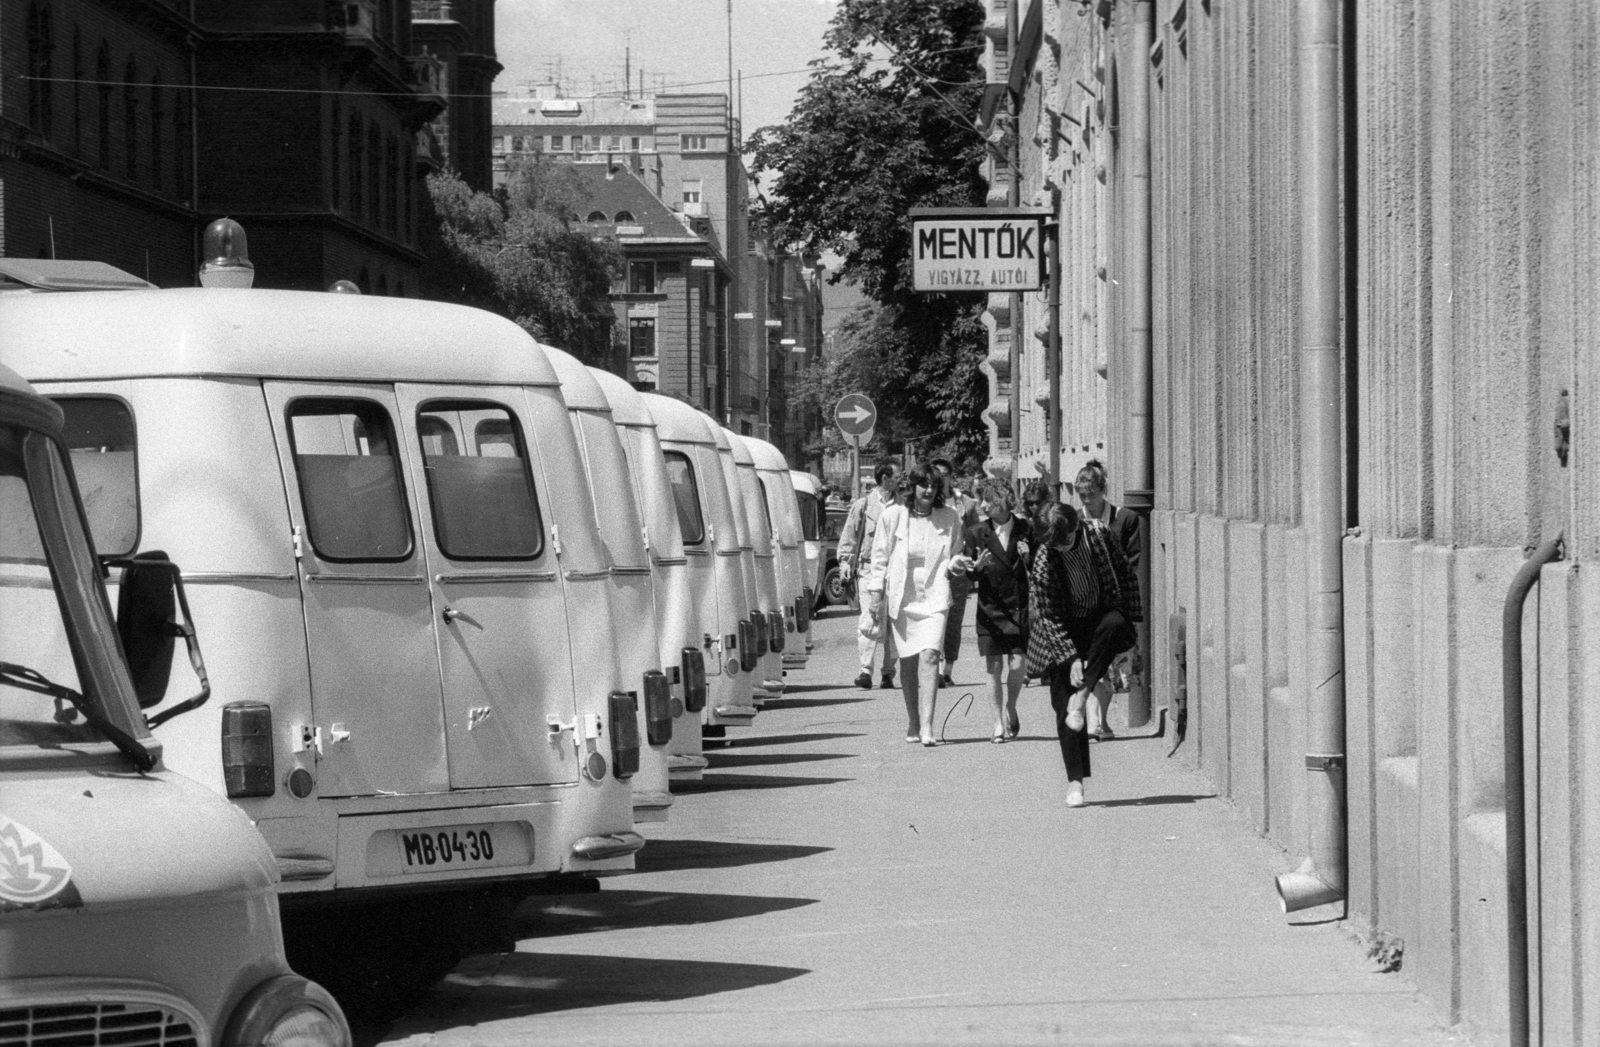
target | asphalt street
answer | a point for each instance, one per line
(826, 883)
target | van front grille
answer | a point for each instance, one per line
(96, 1025)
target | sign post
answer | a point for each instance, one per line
(855, 414)
(1006, 249)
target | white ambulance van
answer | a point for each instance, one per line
(762, 543)
(393, 551)
(136, 907)
(808, 500)
(632, 588)
(710, 528)
(683, 638)
(772, 476)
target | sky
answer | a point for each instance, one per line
(678, 43)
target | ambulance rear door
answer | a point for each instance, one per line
(502, 619)
(370, 619)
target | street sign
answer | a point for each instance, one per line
(855, 414)
(977, 249)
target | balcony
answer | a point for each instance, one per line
(428, 77)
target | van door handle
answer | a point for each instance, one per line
(451, 614)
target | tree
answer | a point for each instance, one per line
(884, 125)
(515, 253)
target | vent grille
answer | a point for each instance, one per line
(95, 1025)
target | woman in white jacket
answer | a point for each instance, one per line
(915, 550)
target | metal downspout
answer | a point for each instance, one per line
(1322, 878)
(1516, 787)
(1139, 486)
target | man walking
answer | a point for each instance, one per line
(967, 509)
(855, 545)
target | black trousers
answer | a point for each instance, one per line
(1098, 639)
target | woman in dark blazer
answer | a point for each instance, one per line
(999, 544)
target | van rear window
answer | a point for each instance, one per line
(479, 486)
(809, 528)
(687, 497)
(104, 446)
(350, 486)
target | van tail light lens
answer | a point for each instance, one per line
(694, 680)
(802, 609)
(747, 646)
(247, 749)
(657, 707)
(624, 734)
(775, 624)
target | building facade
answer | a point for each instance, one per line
(139, 122)
(735, 359)
(1326, 307)
(452, 42)
(96, 154)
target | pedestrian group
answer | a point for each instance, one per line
(1056, 587)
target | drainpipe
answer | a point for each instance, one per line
(1139, 489)
(1322, 877)
(1516, 786)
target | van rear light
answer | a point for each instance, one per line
(802, 609)
(247, 749)
(624, 734)
(747, 646)
(694, 680)
(775, 624)
(657, 708)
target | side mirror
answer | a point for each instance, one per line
(149, 600)
(147, 611)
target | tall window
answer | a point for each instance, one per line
(130, 117)
(102, 74)
(557, 143)
(392, 183)
(180, 152)
(641, 277)
(691, 190)
(41, 45)
(356, 137)
(158, 121)
(77, 90)
(374, 174)
(335, 157)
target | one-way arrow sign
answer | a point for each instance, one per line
(855, 414)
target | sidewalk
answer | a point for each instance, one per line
(829, 884)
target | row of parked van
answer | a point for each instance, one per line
(467, 606)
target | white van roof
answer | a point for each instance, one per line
(578, 387)
(192, 331)
(677, 422)
(804, 481)
(627, 403)
(741, 450)
(13, 382)
(766, 456)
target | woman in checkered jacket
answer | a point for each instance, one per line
(1083, 599)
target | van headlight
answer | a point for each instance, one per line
(288, 1011)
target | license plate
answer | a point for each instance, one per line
(458, 847)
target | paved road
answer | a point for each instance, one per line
(828, 884)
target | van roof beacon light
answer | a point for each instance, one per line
(227, 256)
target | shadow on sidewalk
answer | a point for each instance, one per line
(720, 758)
(502, 986)
(739, 742)
(773, 704)
(671, 855)
(713, 783)
(549, 916)
(1153, 801)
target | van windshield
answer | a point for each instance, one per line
(34, 636)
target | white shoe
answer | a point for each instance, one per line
(1074, 794)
